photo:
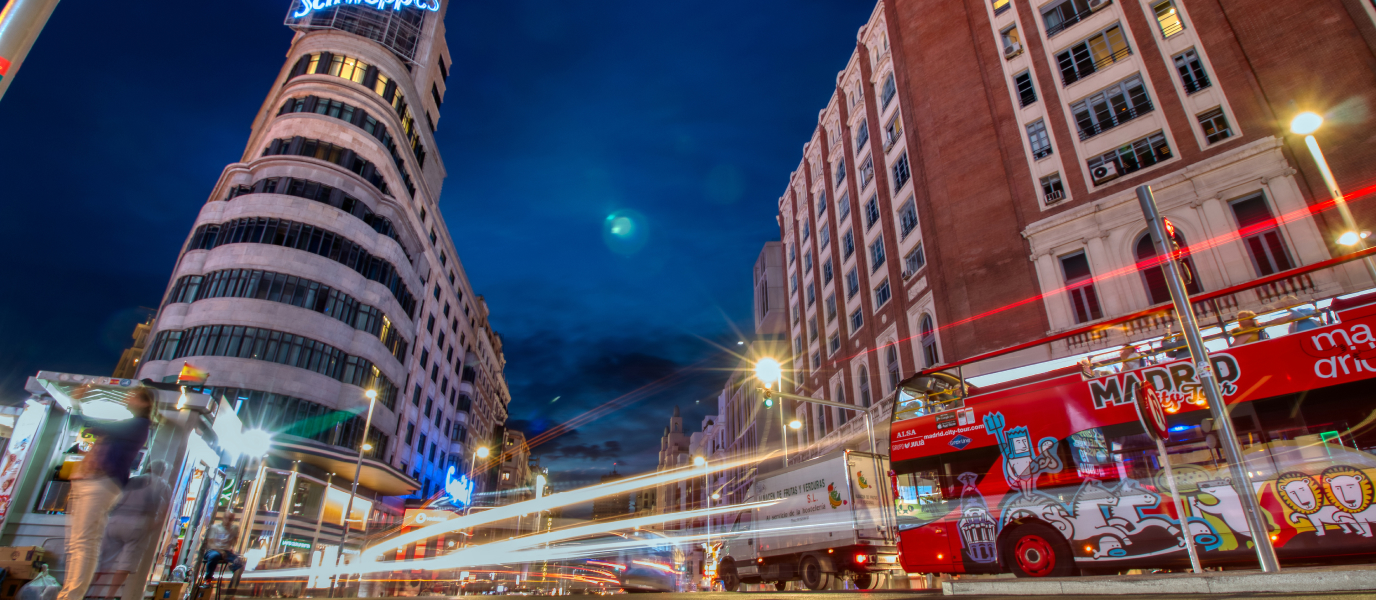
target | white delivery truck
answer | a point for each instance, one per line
(833, 520)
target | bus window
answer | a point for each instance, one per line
(929, 489)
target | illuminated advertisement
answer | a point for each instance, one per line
(307, 6)
(18, 454)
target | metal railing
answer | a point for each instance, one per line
(1094, 67)
(1119, 118)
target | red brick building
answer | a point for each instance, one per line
(969, 185)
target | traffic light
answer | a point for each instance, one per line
(768, 402)
(1173, 246)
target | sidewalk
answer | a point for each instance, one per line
(1299, 579)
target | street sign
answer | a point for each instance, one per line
(1151, 413)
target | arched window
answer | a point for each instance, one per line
(892, 361)
(1153, 277)
(841, 397)
(930, 356)
(864, 387)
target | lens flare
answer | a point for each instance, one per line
(625, 232)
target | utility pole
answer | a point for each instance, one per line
(1184, 311)
(20, 23)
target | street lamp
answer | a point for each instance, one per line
(1305, 124)
(769, 372)
(353, 491)
(481, 452)
(795, 424)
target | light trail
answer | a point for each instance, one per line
(498, 552)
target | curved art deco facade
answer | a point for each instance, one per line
(321, 267)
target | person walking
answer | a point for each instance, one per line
(97, 485)
(134, 520)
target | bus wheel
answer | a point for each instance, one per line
(780, 586)
(730, 579)
(1038, 551)
(813, 575)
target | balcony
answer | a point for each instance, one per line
(1121, 116)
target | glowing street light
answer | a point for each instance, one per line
(1305, 124)
(768, 371)
(795, 424)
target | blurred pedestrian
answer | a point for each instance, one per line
(1248, 330)
(97, 484)
(1130, 358)
(134, 520)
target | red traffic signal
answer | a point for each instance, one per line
(1170, 229)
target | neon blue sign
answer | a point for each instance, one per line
(309, 5)
(460, 491)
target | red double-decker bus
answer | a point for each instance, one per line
(1053, 474)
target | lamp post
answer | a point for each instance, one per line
(481, 452)
(1305, 124)
(769, 372)
(358, 471)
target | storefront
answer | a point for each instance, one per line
(48, 440)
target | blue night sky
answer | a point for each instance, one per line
(687, 116)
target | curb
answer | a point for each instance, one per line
(1220, 583)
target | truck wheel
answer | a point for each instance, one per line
(780, 586)
(730, 579)
(813, 575)
(866, 581)
(1036, 550)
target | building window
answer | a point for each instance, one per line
(1001, 5)
(930, 356)
(1192, 74)
(1094, 53)
(857, 319)
(1027, 93)
(1012, 42)
(847, 244)
(833, 343)
(1111, 107)
(1153, 277)
(1079, 283)
(807, 261)
(864, 387)
(821, 203)
(840, 171)
(807, 230)
(894, 368)
(812, 329)
(843, 207)
(1259, 234)
(816, 360)
(792, 254)
(1064, 14)
(797, 314)
(1215, 125)
(1052, 189)
(882, 294)
(1168, 18)
(893, 131)
(811, 295)
(871, 212)
(866, 173)
(797, 346)
(907, 218)
(831, 307)
(1135, 156)
(339, 155)
(877, 254)
(914, 261)
(852, 282)
(826, 272)
(862, 135)
(793, 283)
(886, 93)
(1040, 141)
(901, 172)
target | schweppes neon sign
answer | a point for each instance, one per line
(312, 5)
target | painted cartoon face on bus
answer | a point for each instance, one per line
(1348, 488)
(1022, 461)
(1302, 494)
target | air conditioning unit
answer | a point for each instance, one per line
(1012, 50)
(1098, 4)
(1055, 197)
(1104, 172)
(908, 274)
